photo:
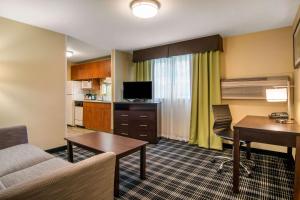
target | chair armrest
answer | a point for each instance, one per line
(11, 136)
(91, 179)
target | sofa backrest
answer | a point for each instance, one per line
(11, 136)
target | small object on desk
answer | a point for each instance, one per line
(279, 115)
(285, 121)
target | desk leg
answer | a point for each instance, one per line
(290, 151)
(297, 171)
(236, 161)
(70, 151)
(143, 163)
(116, 182)
(248, 151)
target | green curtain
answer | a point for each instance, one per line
(205, 92)
(143, 71)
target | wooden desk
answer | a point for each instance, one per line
(264, 130)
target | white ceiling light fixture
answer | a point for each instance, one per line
(144, 8)
(69, 54)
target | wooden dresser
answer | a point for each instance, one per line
(139, 120)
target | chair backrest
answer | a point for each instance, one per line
(222, 118)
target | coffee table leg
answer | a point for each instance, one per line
(70, 151)
(116, 187)
(143, 163)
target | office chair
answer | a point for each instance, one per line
(222, 128)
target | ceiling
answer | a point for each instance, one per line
(83, 51)
(103, 25)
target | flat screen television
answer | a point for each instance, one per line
(137, 90)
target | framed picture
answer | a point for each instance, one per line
(296, 41)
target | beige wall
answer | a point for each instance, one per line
(266, 53)
(69, 65)
(121, 65)
(297, 79)
(32, 75)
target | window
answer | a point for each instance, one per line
(172, 86)
(172, 77)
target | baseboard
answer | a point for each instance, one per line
(56, 149)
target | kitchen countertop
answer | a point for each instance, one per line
(94, 101)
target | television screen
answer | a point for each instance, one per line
(137, 90)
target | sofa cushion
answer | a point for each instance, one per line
(20, 157)
(33, 172)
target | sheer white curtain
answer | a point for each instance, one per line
(172, 86)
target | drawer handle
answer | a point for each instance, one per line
(124, 115)
(123, 133)
(143, 116)
(143, 125)
(124, 124)
(143, 135)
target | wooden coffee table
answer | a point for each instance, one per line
(100, 142)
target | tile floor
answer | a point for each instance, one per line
(75, 131)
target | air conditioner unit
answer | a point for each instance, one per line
(251, 88)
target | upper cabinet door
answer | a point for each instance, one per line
(76, 72)
(92, 70)
(79, 72)
(101, 69)
(107, 68)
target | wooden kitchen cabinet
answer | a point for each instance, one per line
(76, 72)
(97, 116)
(92, 70)
(105, 68)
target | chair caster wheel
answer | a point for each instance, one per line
(213, 161)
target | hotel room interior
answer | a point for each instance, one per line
(149, 99)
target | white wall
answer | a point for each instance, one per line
(32, 78)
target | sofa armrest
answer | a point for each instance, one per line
(91, 179)
(11, 136)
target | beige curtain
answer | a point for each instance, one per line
(205, 92)
(143, 70)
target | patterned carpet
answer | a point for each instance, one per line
(176, 170)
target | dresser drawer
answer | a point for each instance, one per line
(121, 125)
(146, 135)
(143, 115)
(122, 115)
(144, 127)
(122, 132)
